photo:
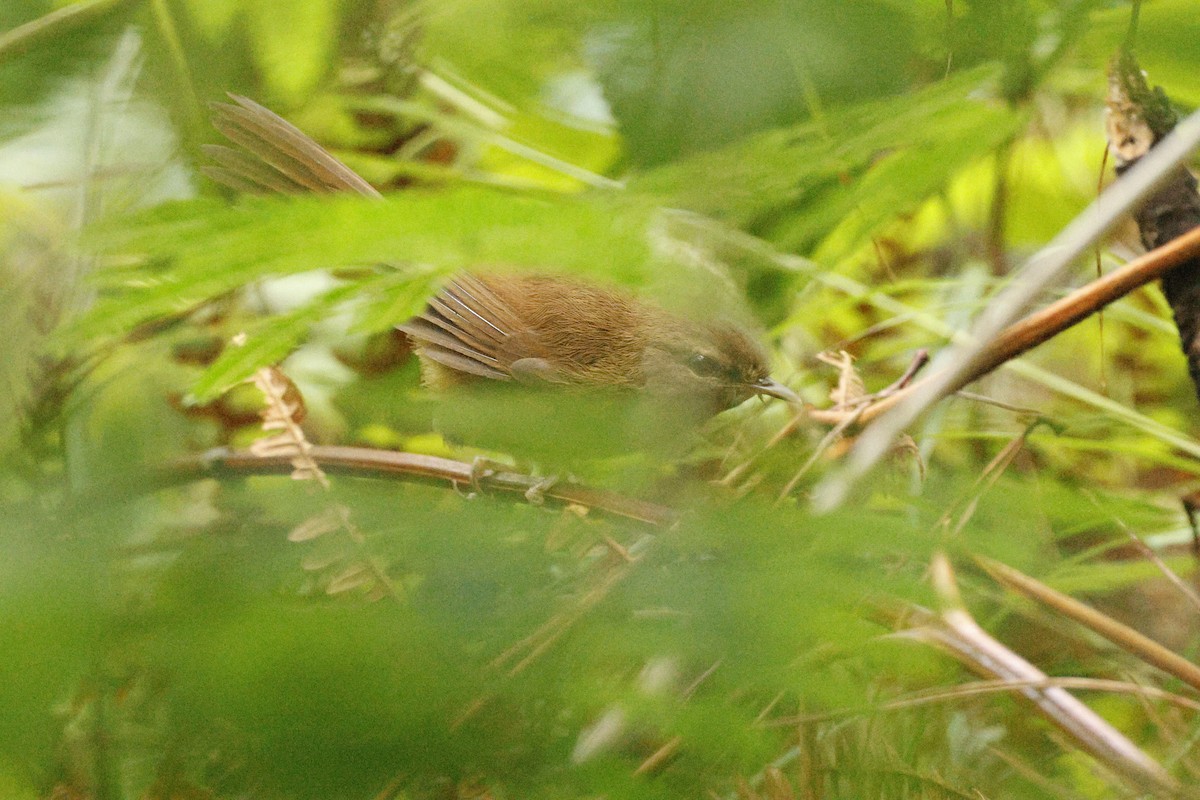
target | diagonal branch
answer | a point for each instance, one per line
(1118, 633)
(1043, 325)
(956, 631)
(966, 357)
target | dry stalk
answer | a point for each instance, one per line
(1043, 325)
(989, 687)
(956, 631)
(283, 412)
(1118, 633)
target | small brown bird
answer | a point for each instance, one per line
(548, 330)
(531, 329)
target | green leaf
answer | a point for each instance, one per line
(190, 252)
(267, 342)
(213, 17)
(687, 77)
(382, 301)
(394, 298)
(873, 161)
(294, 43)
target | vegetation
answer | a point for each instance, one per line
(858, 180)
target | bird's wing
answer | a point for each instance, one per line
(279, 156)
(468, 328)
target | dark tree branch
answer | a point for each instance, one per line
(1139, 117)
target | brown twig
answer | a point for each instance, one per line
(368, 462)
(1119, 634)
(919, 360)
(1041, 326)
(954, 629)
(986, 687)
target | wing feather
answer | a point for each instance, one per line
(469, 328)
(431, 334)
(465, 364)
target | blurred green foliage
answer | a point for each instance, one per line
(856, 176)
(44, 65)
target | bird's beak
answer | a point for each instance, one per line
(773, 388)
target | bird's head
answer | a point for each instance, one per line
(711, 367)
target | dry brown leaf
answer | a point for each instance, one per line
(352, 577)
(316, 562)
(850, 386)
(328, 521)
(284, 411)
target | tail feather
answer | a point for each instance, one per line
(301, 163)
(245, 173)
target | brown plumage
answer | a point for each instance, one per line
(551, 330)
(533, 329)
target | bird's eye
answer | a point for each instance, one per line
(704, 366)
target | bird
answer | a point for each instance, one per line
(543, 330)
(557, 331)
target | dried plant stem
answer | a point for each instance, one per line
(1119, 634)
(367, 462)
(538, 642)
(1188, 593)
(835, 433)
(25, 37)
(987, 687)
(985, 481)
(1148, 553)
(1043, 325)
(521, 654)
(659, 757)
(956, 631)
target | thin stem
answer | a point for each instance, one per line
(1045, 324)
(962, 361)
(25, 37)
